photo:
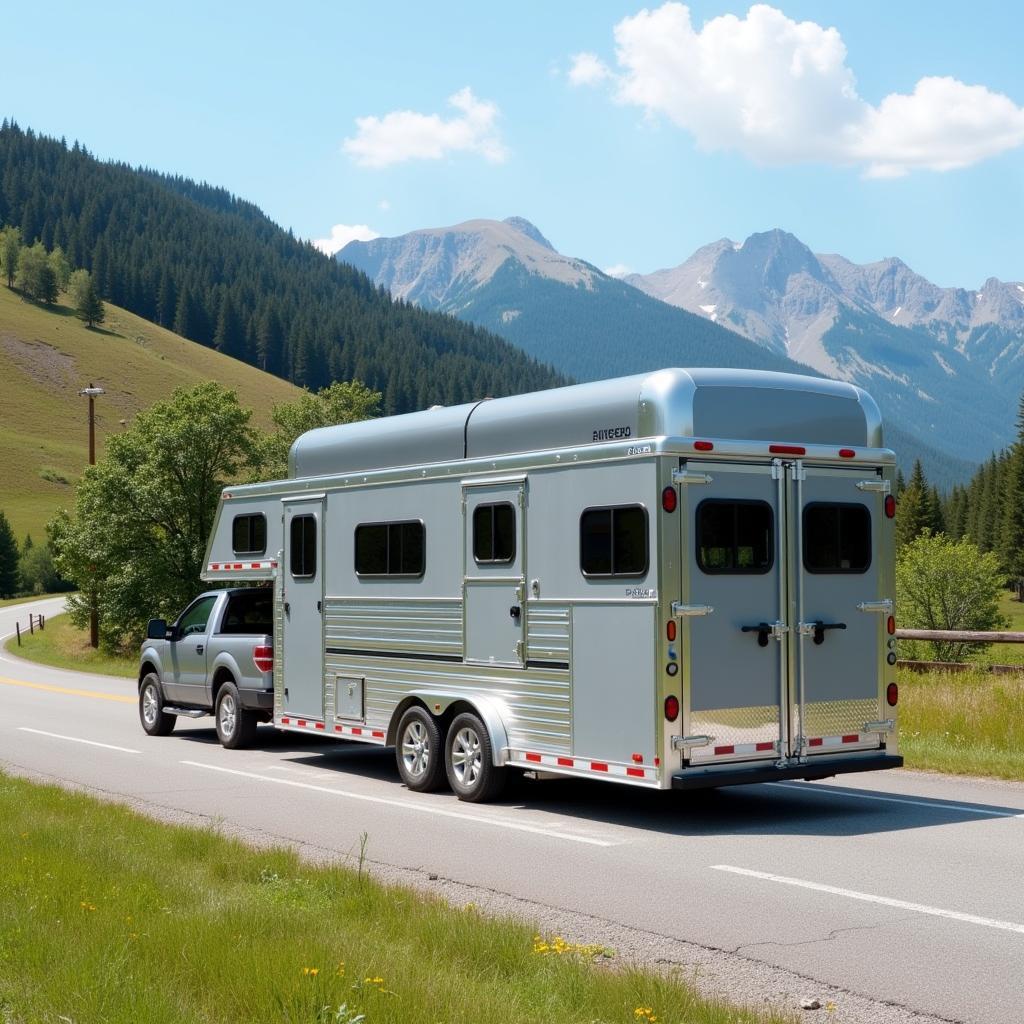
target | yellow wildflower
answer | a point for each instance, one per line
(311, 972)
(340, 972)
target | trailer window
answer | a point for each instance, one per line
(734, 537)
(837, 537)
(249, 534)
(613, 541)
(390, 549)
(303, 546)
(494, 533)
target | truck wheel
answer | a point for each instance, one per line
(236, 726)
(472, 774)
(418, 751)
(151, 702)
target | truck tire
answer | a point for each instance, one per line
(236, 726)
(468, 761)
(418, 751)
(151, 703)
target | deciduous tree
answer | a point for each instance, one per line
(10, 250)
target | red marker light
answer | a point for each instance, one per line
(890, 507)
(846, 453)
(890, 625)
(703, 446)
(669, 499)
(670, 630)
(787, 449)
(892, 694)
(672, 708)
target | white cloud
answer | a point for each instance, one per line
(588, 69)
(342, 234)
(618, 270)
(407, 135)
(780, 91)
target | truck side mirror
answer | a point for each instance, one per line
(157, 629)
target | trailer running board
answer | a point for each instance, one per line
(810, 771)
(170, 709)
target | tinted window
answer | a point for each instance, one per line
(837, 538)
(613, 541)
(734, 536)
(249, 534)
(250, 612)
(303, 546)
(194, 619)
(390, 549)
(494, 533)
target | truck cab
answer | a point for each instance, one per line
(215, 658)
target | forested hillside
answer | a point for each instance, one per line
(213, 268)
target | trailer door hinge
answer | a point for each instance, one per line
(682, 611)
(885, 725)
(686, 742)
(520, 646)
(777, 470)
(878, 486)
(683, 476)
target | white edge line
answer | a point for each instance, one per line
(885, 901)
(406, 806)
(934, 805)
(77, 739)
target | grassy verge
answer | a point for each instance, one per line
(966, 724)
(63, 646)
(109, 916)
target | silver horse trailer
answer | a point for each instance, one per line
(675, 580)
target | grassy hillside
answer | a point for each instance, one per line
(47, 355)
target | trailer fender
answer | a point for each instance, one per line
(446, 703)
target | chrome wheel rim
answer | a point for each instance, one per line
(415, 749)
(227, 715)
(467, 758)
(150, 705)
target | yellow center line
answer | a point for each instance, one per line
(49, 688)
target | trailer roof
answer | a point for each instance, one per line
(741, 405)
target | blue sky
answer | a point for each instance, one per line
(637, 164)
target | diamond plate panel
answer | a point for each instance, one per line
(734, 726)
(838, 717)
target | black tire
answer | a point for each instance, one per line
(151, 703)
(236, 726)
(468, 760)
(419, 751)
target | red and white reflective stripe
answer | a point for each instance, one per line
(836, 741)
(236, 566)
(648, 773)
(362, 731)
(740, 749)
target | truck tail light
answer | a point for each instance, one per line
(263, 657)
(672, 708)
(892, 695)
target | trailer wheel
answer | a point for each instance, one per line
(151, 714)
(236, 726)
(418, 751)
(468, 760)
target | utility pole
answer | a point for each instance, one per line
(92, 392)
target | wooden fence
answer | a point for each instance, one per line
(963, 636)
(34, 622)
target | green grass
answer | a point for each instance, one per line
(61, 645)
(24, 600)
(969, 723)
(47, 355)
(1005, 654)
(108, 916)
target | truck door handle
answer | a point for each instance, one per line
(817, 629)
(515, 611)
(199, 648)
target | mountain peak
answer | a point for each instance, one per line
(522, 225)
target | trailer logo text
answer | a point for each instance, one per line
(612, 433)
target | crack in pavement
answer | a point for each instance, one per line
(806, 942)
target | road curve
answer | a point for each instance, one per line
(896, 894)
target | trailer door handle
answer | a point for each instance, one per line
(817, 629)
(764, 630)
(515, 611)
(287, 608)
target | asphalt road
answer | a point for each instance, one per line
(902, 888)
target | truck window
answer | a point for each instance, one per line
(390, 549)
(194, 618)
(494, 534)
(734, 537)
(249, 613)
(249, 534)
(613, 541)
(837, 537)
(303, 546)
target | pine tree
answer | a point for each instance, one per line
(10, 250)
(1011, 526)
(914, 513)
(9, 555)
(87, 303)
(229, 338)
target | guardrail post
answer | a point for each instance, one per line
(30, 629)
(42, 621)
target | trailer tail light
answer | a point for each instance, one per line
(670, 630)
(263, 658)
(846, 453)
(672, 708)
(890, 625)
(890, 507)
(669, 499)
(787, 449)
(892, 694)
(703, 446)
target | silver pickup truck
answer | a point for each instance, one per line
(216, 658)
